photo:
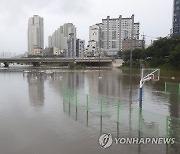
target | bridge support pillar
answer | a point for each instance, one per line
(6, 64)
(36, 64)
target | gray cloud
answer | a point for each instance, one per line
(74, 6)
(155, 17)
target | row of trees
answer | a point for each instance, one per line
(163, 53)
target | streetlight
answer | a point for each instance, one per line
(131, 64)
(131, 49)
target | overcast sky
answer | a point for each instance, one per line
(155, 17)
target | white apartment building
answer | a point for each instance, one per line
(49, 41)
(60, 38)
(114, 30)
(35, 34)
(136, 31)
(111, 32)
(95, 33)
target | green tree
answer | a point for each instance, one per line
(137, 55)
(120, 53)
(160, 52)
(175, 57)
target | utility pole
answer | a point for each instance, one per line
(143, 38)
(132, 31)
(99, 62)
(131, 66)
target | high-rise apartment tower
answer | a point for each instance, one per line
(35, 35)
(176, 17)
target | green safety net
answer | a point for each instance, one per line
(172, 88)
(108, 115)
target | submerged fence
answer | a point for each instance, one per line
(172, 88)
(108, 115)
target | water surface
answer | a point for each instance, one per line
(34, 119)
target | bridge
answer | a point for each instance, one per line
(94, 61)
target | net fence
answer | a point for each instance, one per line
(108, 115)
(172, 88)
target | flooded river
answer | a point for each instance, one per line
(35, 117)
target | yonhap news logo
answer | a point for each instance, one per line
(106, 140)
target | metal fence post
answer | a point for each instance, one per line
(76, 104)
(139, 118)
(87, 108)
(167, 126)
(101, 114)
(76, 100)
(118, 113)
(69, 102)
(165, 86)
(101, 106)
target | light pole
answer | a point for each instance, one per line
(131, 49)
(131, 64)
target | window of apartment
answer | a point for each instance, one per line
(102, 35)
(113, 35)
(126, 34)
(94, 33)
(113, 44)
(177, 1)
(102, 44)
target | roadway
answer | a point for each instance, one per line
(37, 61)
